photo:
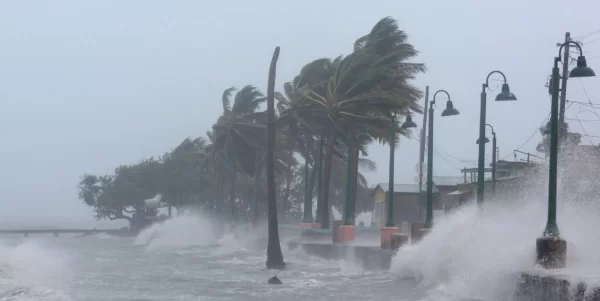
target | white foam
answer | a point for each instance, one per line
(176, 233)
(480, 254)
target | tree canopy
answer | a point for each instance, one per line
(330, 100)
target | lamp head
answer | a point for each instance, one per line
(582, 70)
(363, 136)
(409, 123)
(485, 140)
(362, 133)
(505, 95)
(450, 110)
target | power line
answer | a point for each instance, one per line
(446, 160)
(587, 35)
(583, 129)
(583, 120)
(450, 156)
(588, 97)
(596, 40)
(533, 134)
(584, 103)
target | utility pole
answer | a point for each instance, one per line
(422, 151)
(563, 94)
(529, 155)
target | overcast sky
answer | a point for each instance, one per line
(88, 85)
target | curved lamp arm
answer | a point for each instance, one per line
(487, 79)
(491, 127)
(565, 44)
(436, 93)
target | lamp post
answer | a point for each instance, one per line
(486, 140)
(504, 95)
(390, 226)
(551, 249)
(449, 111)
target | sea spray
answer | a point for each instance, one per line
(178, 232)
(31, 270)
(480, 252)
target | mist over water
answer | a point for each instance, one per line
(470, 254)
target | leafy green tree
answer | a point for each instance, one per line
(122, 195)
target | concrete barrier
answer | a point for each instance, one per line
(368, 257)
(335, 231)
(532, 287)
(398, 240)
(415, 228)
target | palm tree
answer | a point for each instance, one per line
(363, 90)
(238, 132)
(297, 119)
(274, 254)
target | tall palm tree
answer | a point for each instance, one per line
(274, 254)
(238, 132)
(363, 91)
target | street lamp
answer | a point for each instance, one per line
(449, 111)
(504, 95)
(486, 140)
(551, 249)
(390, 227)
(408, 123)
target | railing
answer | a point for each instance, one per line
(26, 232)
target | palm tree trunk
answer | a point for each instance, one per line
(219, 186)
(257, 170)
(308, 186)
(326, 177)
(274, 254)
(355, 183)
(232, 191)
(319, 177)
(286, 194)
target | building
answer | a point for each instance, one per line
(408, 203)
(447, 185)
(504, 169)
(510, 178)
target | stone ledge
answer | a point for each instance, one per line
(368, 257)
(547, 287)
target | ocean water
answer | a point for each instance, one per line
(470, 255)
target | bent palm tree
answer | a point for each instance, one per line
(238, 132)
(364, 90)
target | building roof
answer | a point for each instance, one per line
(447, 180)
(487, 169)
(404, 188)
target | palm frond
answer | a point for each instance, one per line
(367, 165)
(247, 100)
(226, 99)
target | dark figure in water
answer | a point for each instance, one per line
(275, 280)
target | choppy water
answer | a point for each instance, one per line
(467, 256)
